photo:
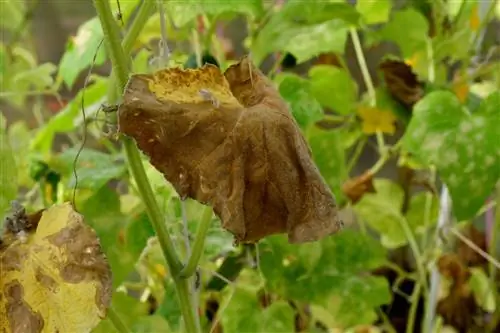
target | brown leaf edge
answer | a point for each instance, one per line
(229, 140)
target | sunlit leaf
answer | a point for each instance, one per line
(374, 11)
(80, 51)
(463, 146)
(329, 155)
(382, 212)
(333, 88)
(297, 92)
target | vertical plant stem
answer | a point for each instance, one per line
(120, 67)
(444, 215)
(199, 243)
(363, 66)
(117, 321)
(410, 325)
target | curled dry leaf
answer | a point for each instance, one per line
(458, 305)
(356, 187)
(239, 150)
(54, 278)
(401, 82)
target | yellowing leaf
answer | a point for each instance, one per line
(474, 19)
(377, 120)
(55, 278)
(461, 89)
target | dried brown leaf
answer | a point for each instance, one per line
(355, 188)
(229, 140)
(401, 82)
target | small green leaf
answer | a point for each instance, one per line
(333, 88)
(374, 11)
(409, 29)
(8, 172)
(329, 155)
(305, 108)
(382, 212)
(80, 51)
(463, 146)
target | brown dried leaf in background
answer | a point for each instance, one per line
(54, 275)
(466, 253)
(230, 141)
(401, 82)
(355, 188)
(459, 306)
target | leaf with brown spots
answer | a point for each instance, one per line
(54, 275)
(356, 187)
(229, 140)
(401, 82)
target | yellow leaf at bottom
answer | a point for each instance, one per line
(56, 279)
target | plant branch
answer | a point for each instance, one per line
(363, 66)
(121, 69)
(117, 321)
(199, 243)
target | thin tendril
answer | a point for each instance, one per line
(84, 138)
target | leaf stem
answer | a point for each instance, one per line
(121, 69)
(363, 66)
(199, 243)
(413, 309)
(117, 321)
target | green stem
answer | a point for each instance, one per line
(199, 243)
(121, 69)
(363, 66)
(413, 309)
(117, 321)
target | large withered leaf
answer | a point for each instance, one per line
(229, 140)
(401, 82)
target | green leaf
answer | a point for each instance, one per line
(341, 271)
(320, 12)
(129, 309)
(11, 16)
(333, 88)
(304, 38)
(242, 311)
(149, 324)
(183, 12)
(277, 318)
(409, 29)
(71, 117)
(8, 172)
(93, 168)
(329, 155)
(81, 50)
(37, 78)
(483, 290)
(19, 138)
(374, 11)
(103, 213)
(382, 212)
(305, 108)
(463, 146)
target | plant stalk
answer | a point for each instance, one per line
(120, 66)
(199, 243)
